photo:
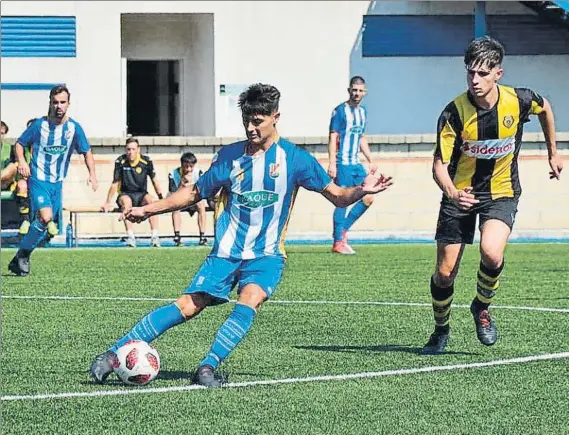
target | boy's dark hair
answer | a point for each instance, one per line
(357, 80)
(188, 158)
(132, 140)
(58, 89)
(259, 99)
(5, 126)
(484, 50)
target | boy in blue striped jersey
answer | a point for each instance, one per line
(52, 139)
(346, 140)
(185, 175)
(258, 179)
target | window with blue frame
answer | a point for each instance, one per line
(448, 35)
(38, 36)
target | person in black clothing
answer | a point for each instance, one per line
(130, 181)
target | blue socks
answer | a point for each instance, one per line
(343, 223)
(230, 334)
(355, 213)
(152, 325)
(35, 235)
(339, 218)
(227, 338)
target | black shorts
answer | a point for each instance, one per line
(192, 209)
(458, 226)
(135, 197)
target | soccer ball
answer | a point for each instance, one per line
(137, 363)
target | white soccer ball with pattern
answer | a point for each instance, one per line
(137, 363)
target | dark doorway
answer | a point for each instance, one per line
(152, 97)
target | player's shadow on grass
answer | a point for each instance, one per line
(379, 348)
(175, 375)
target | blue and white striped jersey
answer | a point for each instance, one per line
(51, 147)
(350, 124)
(175, 178)
(259, 193)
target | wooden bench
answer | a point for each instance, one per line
(73, 239)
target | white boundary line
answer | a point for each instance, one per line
(276, 301)
(364, 375)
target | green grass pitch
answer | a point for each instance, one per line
(47, 346)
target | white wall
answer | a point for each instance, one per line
(188, 39)
(407, 94)
(93, 77)
(307, 49)
(201, 90)
(303, 48)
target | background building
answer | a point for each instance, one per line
(173, 68)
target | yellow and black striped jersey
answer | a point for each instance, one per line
(482, 146)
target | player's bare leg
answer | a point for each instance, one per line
(23, 206)
(155, 240)
(202, 222)
(442, 290)
(494, 236)
(126, 204)
(8, 174)
(177, 223)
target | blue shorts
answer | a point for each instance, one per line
(218, 276)
(350, 175)
(44, 194)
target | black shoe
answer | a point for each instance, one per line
(177, 240)
(485, 327)
(103, 366)
(206, 376)
(20, 264)
(437, 342)
(203, 241)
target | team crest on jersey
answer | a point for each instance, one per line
(508, 121)
(257, 199)
(138, 170)
(68, 135)
(274, 170)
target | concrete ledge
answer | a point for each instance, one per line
(406, 141)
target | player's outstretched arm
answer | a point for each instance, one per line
(547, 121)
(182, 198)
(345, 196)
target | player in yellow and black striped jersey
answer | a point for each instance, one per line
(130, 180)
(476, 166)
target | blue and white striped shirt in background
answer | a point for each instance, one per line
(51, 147)
(350, 124)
